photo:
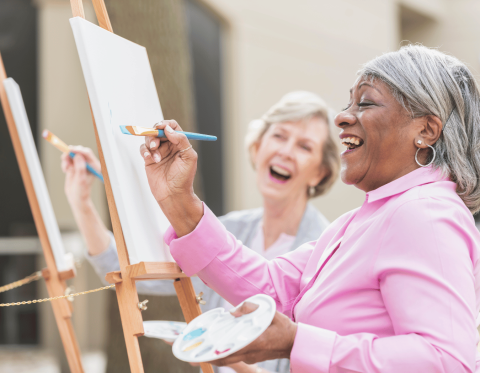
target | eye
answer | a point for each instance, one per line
(278, 135)
(305, 147)
(364, 104)
(346, 107)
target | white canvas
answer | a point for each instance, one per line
(122, 92)
(35, 169)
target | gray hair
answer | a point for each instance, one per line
(295, 107)
(428, 82)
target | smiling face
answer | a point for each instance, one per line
(379, 135)
(288, 158)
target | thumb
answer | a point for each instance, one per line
(176, 138)
(244, 309)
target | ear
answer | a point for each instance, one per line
(318, 176)
(432, 129)
(253, 150)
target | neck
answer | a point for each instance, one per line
(384, 178)
(282, 217)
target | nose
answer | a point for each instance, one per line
(287, 149)
(344, 118)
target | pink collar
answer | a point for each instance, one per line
(420, 176)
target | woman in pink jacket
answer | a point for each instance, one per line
(392, 286)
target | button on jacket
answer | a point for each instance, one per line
(389, 287)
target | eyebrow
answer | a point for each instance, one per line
(366, 83)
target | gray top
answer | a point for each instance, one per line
(243, 225)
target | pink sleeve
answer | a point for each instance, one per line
(234, 271)
(424, 271)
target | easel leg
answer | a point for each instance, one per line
(131, 322)
(191, 309)
(63, 313)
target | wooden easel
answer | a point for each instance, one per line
(124, 280)
(54, 279)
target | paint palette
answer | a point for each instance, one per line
(217, 334)
(166, 330)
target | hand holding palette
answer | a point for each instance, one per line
(217, 334)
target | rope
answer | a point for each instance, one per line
(55, 298)
(33, 277)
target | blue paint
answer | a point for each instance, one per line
(89, 168)
(190, 135)
(194, 334)
(124, 130)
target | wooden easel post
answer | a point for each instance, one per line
(124, 280)
(55, 280)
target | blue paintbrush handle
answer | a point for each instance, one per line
(191, 136)
(90, 168)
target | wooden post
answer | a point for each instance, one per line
(127, 296)
(55, 280)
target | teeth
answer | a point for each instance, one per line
(351, 140)
(280, 171)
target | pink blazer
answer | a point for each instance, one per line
(389, 287)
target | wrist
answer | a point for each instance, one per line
(183, 212)
(291, 340)
(82, 207)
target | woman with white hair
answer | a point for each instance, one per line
(392, 286)
(295, 159)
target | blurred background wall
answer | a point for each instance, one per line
(240, 58)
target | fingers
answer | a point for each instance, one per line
(79, 164)
(66, 162)
(244, 308)
(153, 142)
(147, 155)
(88, 155)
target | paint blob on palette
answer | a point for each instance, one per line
(217, 333)
(166, 330)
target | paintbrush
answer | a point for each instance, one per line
(143, 131)
(60, 145)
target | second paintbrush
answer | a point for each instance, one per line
(143, 131)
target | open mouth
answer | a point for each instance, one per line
(352, 142)
(279, 173)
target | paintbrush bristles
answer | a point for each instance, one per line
(55, 141)
(141, 131)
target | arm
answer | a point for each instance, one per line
(78, 185)
(426, 281)
(234, 271)
(101, 247)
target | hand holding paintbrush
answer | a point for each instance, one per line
(60, 145)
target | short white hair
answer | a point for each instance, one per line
(295, 107)
(428, 82)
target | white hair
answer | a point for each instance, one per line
(295, 107)
(428, 82)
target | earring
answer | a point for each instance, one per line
(429, 163)
(419, 142)
(311, 191)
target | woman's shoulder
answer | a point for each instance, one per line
(237, 221)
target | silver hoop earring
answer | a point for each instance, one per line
(429, 163)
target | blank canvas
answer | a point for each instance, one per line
(122, 91)
(35, 169)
